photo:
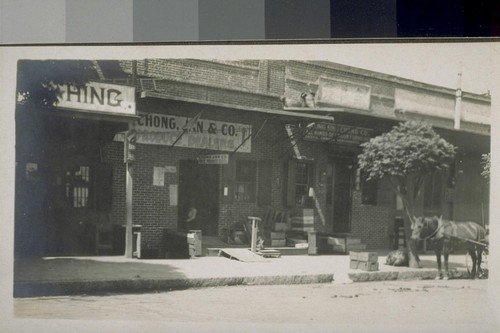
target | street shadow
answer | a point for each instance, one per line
(428, 263)
(66, 276)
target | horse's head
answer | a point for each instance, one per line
(423, 226)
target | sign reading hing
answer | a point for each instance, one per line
(98, 97)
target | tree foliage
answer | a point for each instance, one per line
(38, 80)
(486, 163)
(406, 155)
(411, 148)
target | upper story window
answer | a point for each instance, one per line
(369, 190)
(302, 183)
(432, 192)
(77, 187)
(246, 180)
(299, 183)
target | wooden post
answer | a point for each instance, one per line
(254, 236)
(129, 241)
(253, 241)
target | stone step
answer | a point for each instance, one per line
(341, 241)
(352, 241)
(356, 247)
(340, 248)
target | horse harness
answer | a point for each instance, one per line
(443, 234)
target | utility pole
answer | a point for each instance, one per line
(129, 145)
(129, 153)
(458, 99)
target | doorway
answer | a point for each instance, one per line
(339, 195)
(199, 187)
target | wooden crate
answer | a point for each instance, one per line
(280, 227)
(368, 266)
(278, 242)
(277, 235)
(363, 265)
(364, 256)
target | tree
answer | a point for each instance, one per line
(406, 155)
(38, 80)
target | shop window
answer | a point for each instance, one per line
(369, 189)
(300, 176)
(77, 187)
(245, 182)
(265, 181)
(432, 193)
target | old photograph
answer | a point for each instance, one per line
(296, 186)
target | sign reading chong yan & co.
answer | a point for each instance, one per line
(161, 129)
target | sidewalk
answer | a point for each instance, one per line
(90, 275)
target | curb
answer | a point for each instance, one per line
(62, 288)
(421, 274)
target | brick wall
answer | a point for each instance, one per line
(151, 207)
(373, 224)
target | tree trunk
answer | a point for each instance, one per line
(410, 243)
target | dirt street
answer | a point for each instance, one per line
(463, 304)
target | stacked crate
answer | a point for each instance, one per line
(366, 261)
(303, 220)
(278, 239)
(194, 241)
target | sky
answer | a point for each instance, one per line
(433, 63)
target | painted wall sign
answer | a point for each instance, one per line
(98, 97)
(160, 129)
(173, 194)
(440, 106)
(431, 104)
(343, 93)
(170, 169)
(214, 159)
(158, 176)
(335, 133)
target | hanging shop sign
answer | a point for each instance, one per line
(343, 93)
(160, 129)
(336, 133)
(98, 97)
(214, 159)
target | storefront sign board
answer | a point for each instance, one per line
(160, 129)
(344, 93)
(336, 133)
(214, 159)
(99, 98)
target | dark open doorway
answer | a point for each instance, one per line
(199, 187)
(339, 195)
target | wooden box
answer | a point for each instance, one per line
(278, 242)
(364, 256)
(277, 235)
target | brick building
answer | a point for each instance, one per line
(238, 139)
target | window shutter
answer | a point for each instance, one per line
(290, 183)
(264, 194)
(228, 179)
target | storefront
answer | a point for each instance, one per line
(63, 185)
(273, 139)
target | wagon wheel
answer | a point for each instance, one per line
(483, 269)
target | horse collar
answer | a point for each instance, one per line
(440, 225)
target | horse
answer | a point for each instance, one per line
(440, 232)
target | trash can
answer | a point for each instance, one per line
(194, 241)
